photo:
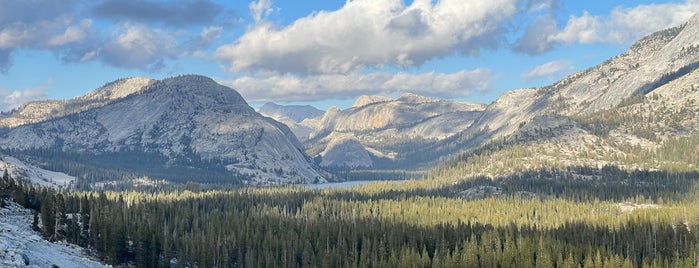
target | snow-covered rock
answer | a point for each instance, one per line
(20, 246)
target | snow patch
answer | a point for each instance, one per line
(36, 175)
(20, 246)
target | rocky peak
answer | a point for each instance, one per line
(366, 100)
(414, 98)
(190, 121)
(297, 113)
(38, 111)
(118, 89)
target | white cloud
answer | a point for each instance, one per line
(72, 34)
(584, 29)
(536, 36)
(371, 33)
(13, 99)
(621, 26)
(138, 46)
(633, 23)
(260, 9)
(288, 87)
(549, 69)
(70, 30)
(537, 5)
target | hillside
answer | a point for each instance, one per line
(20, 246)
(186, 128)
(660, 66)
(296, 117)
(635, 111)
(387, 129)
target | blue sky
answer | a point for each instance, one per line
(319, 52)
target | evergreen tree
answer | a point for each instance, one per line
(60, 217)
(84, 221)
(35, 221)
(48, 216)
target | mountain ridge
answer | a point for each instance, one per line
(189, 120)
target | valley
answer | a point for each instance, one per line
(599, 169)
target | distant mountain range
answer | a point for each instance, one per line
(183, 128)
(191, 128)
(658, 73)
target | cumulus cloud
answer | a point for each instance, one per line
(536, 36)
(549, 69)
(288, 87)
(146, 32)
(29, 12)
(622, 25)
(13, 99)
(171, 13)
(72, 34)
(371, 33)
(137, 46)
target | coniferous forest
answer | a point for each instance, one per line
(541, 218)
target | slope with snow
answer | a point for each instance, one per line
(20, 246)
(36, 175)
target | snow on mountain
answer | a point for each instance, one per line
(20, 246)
(181, 118)
(35, 175)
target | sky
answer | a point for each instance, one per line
(323, 53)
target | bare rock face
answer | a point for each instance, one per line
(346, 152)
(658, 66)
(297, 113)
(187, 119)
(366, 100)
(38, 111)
(382, 126)
(298, 118)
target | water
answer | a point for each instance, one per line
(344, 184)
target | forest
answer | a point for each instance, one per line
(588, 217)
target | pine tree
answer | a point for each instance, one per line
(5, 188)
(84, 221)
(35, 221)
(60, 215)
(48, 216)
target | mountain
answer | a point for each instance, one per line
(294, 112)
(642, 97)
(37, 111)
(186, 128)
(296, 117)
(389, 130)
(636, 110)
(656, 66)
